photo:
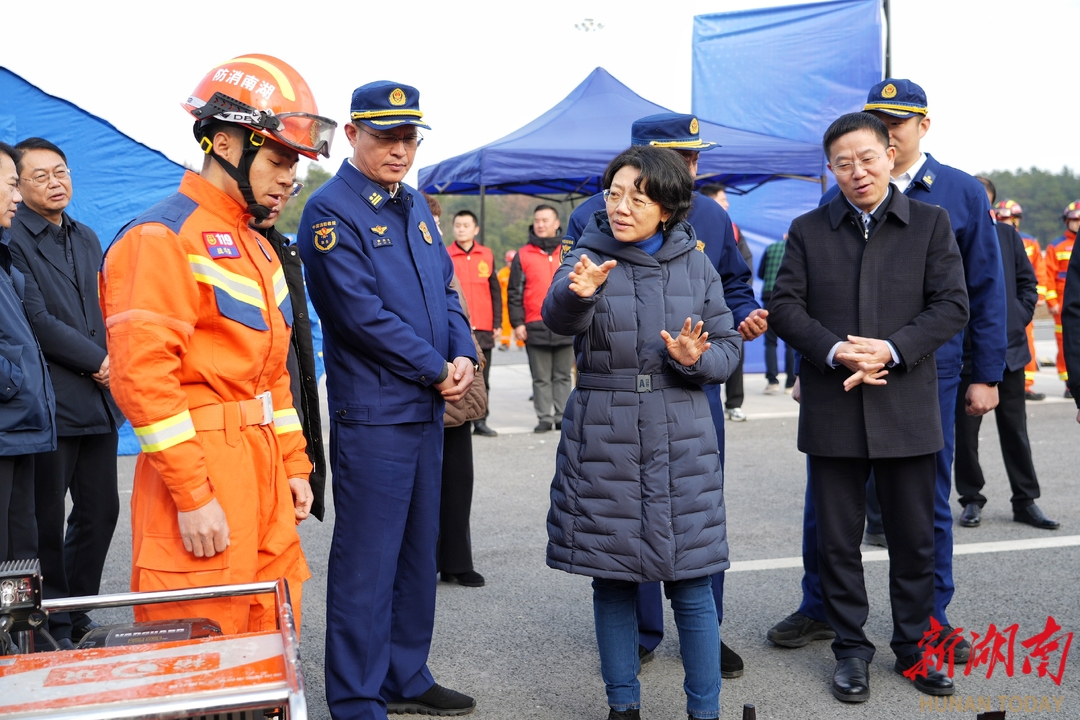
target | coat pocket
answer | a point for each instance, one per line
(28, 409)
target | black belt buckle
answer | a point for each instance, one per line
(644, 384)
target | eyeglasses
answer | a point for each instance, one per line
(297, 187)
(635, 203)
(846, 168)
(42, 179)
(411, 142)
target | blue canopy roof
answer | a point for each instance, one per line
(565, 150)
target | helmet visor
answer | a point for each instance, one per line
(305, 133)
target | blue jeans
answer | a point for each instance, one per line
(615, 614)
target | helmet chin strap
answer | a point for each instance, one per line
(242, 173)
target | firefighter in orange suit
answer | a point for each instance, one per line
(198, 318)
(507, 331)
(1010, 211)
(1058, 253)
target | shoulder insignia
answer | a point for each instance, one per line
(483, 269)
(928, 179)
(701, 246)
(379, 229)
(424, 232)
(220, 245)
(567, 247)
(888, 92)
(375, 198)
(325, 235)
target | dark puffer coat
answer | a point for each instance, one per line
(638, 492)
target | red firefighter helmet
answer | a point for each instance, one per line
(266, 95)
(1008, 209)
(1072, 211)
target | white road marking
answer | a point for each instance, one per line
(958, 549)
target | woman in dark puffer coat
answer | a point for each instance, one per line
(638, 489)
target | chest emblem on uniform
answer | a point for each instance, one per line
(700, 246)
(424, 232)
(220, 245)
(375, 198)
(324, 235)
(567, 246)
(379, 229)
(483, 269)
(928, 179)
(888, 92)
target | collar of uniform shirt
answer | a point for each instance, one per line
(392, 191)
(903, 181)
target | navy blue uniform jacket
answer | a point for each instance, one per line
(963, 197)
(712, 226)
(379, 277)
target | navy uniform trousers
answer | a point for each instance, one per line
(650, 604)
(380, 590)
(812, 605)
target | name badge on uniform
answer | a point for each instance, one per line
(220, 245)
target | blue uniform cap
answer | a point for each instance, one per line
(670, 130)
(383, 104)
(899, 98)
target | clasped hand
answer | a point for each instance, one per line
(690, 345)
(866, 358)
(587, 277)
(459, 377)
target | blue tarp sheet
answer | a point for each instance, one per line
(566, 149)
(114, 177)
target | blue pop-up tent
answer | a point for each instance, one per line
(564, 151)
(114, 176)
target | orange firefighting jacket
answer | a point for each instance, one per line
(198, 314)
(1038, 262)
(1058, 253)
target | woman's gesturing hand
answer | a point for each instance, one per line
(587, 277)
(689, 345)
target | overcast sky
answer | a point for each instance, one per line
(1002, 84)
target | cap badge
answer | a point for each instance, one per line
(888, 92)
(693, 126)
(424, 232)
(397, 98)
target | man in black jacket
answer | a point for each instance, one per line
(1011, 412)
(871, 285)
(304, 382)
(60, 258)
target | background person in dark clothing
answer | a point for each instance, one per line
(767, 268)
(551, 355)
(1011, 413)
(27, 404)
(60, 258)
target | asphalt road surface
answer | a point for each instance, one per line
(524, 647)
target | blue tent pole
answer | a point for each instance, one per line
(483, 237)
(888, 40)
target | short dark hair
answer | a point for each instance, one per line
(433, 204)
(664, 178)
(467, 213)
(989, 186)
(712, 189)
(538, 208)
(35, 143)
(12, 153)
(853, 122)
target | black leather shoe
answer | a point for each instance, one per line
(542, 427)
(1033, 516)
(1068, 394)
(438, 700)
(470, 578)
(972, 515)
(851, 680)
(644, 654)
(1031, 395)
(934, 683)
(631, 714)
(479, 427)
(961, 651)
(731, 665)
(797, 630)
(558, 425)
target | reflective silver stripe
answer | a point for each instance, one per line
(238, 287)
(281, 288)
(166, 433)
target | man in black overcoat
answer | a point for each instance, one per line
(871, 284)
